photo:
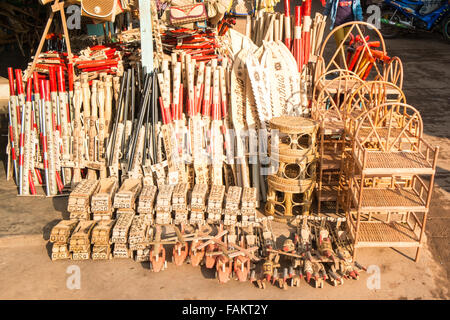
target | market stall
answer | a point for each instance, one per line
(184, 134)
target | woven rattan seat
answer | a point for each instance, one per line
(386, 234)
(382, 132)
(333, 86)
(294, 125)
(397, 162)
(390, 199)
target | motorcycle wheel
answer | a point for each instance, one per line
(446, 28)
(386, 30)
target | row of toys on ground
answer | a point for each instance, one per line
(245, 249)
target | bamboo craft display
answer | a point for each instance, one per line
(290, 187)
(147, 151)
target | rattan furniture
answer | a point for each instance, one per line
(328, 108)
(294, 161)
(389, 195)
(369, 95)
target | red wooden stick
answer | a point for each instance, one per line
(11, 82)
(306, 31)
(31, 182)
(297, 37)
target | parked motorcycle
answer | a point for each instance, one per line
(405, 15)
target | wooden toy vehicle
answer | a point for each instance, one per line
(80, 243)
(180, 253)
(224, 267)
(62, 231)
(80, 199)
(142, 255)
(60, 251)
(268, 270)
(215, 203)
(315, 270)
(101, 252)
(125, 198)
(158, 253)
(121, 250)
(146, 202)
(242, 262)
(197, 247)
(138, 233)
(102, 201)
(143, 248)
(196, 255)
(179, 203)
(344, 266)
(232, 201)
(163, 205)
(60, 236)
(101, 234)
(248, 206)
(122, 226)
(198, 204)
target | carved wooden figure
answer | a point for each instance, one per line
(80, 199)
(163, 205)
(232, 203)
(198, 204)
(102, 201)
(215, 203)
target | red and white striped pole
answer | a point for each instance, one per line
(21, 148)
(287, 24)
(206, 109)
(15, 120)
(44, 137)
(20, 92)
(28, 161)
(296, 50)
(306, 30)
(11, 136)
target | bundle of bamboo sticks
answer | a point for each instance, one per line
(301, 35)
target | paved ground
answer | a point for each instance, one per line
(26, 270)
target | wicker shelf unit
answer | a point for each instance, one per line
(392, 179)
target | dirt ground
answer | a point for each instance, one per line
(26, 271)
